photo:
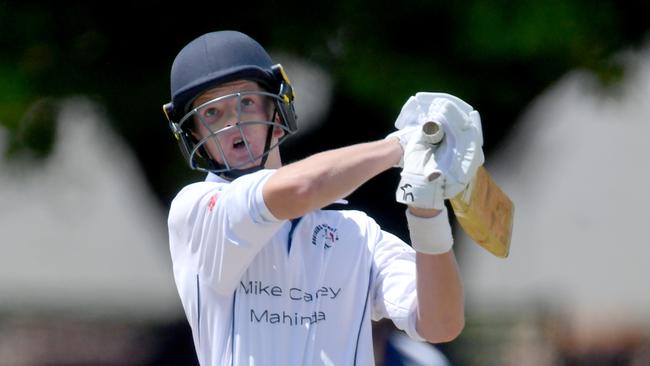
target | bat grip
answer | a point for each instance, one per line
(433, 132)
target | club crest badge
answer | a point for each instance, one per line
(324, 235)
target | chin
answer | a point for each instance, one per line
(247, 164)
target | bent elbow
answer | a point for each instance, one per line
(443, 333)
(454, 331)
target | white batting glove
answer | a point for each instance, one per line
(407, 123)
(460, 153)
(422, 183)
(418, 110)
(403, 135)
(413, 115)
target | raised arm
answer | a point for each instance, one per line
(435, 170)
(441, 310)
(321, 179)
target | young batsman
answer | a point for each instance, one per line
(267, 276)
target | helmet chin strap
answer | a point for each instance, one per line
(236, 173)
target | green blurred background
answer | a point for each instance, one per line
(498, 55)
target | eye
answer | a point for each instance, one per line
(210, 112)
(211, 115)
(247, 102)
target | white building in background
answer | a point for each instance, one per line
(82, 234)
(578, 169)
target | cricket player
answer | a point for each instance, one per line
(267, 276)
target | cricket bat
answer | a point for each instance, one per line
(483, 210)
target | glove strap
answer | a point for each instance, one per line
(430, 235)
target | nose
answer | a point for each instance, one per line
(230, 122)
(231, 114)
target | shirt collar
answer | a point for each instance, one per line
(215, 178)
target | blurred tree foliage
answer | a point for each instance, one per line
(497, 55)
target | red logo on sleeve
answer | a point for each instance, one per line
(213, 201)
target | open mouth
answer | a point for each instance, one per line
(238, 143)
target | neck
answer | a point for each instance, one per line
(274, 161)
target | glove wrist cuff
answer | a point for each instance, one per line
(430, 235)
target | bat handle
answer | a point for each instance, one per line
(433, 132)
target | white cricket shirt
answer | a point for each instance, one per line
(262, 291)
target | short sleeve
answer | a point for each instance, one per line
(219, 228)
(394, 287)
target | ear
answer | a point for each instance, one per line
(194, 129)
(278, 132)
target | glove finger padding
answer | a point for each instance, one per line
(407, 123)
(422, 183)
(403, 135)
(467, 158)
(408, 116)
(460, 154)
(426, 98)
(414, 114)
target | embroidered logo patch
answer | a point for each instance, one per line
(324, 234)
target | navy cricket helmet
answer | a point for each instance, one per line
(211, 60)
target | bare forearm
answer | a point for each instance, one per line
(319, 180)
(440, 292)
(440, 297)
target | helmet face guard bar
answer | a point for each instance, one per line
(200, 154)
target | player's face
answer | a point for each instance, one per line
(225, 121)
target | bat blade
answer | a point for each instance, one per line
(483, 210)
(485, 213)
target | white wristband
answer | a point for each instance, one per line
(430, 235)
